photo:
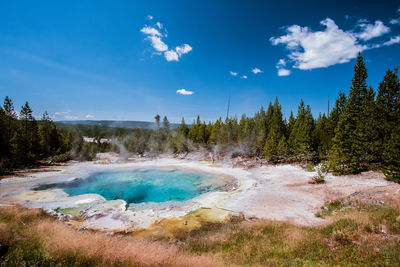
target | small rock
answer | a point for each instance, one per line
(383, 229)
(185, 222)
(398, 219)
(110, 233)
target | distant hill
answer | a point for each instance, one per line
(118, 124)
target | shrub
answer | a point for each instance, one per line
(322, 170)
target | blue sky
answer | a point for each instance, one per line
(128, 60)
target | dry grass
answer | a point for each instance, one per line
(354, 237)
(62, 242)
(367, 235)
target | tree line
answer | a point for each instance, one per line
(362, 132)
(24, 141)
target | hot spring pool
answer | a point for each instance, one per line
(138, 186)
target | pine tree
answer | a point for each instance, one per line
(45, 131)
(276, 131)
(300, 140)
(214, 132)
(10, 117)
(201, 134)
(183, 129)
(335, 115)
(270, 147)
(157, 119)
(26, 140)
(387, 109)
(282, 150)
(367, 131)
(260, 127)
(347, 149)
(4, 151)
(321, 138)
(157, 136)
(247, 134)
(391, 156)
(290, 124)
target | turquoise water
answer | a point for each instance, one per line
(152, 185)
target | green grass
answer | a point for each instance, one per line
(329, 208)
(346, 241)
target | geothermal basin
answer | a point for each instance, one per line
(138, 194)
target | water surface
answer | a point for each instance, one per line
(138, 186)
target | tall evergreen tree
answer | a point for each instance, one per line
(282, 150)
(260, 120)
(26, 140)
(10, 116)
(347, 149)
(300, 140)
(46, 134)
(321, 138)
(367, 131)
(183, 129)
(335, 115)
(391, 156)
(157, 119)
(276, 131)
(214, 132)
(290, 124)
(387, 113)
(4, 151)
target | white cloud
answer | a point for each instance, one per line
(393, 40)
(174, 55)
(183, 49)
(233, 73)
(68, 111)
(89, 116)
(69, 117)
(184, 92)
(243, 77)
(66, 115)
(157, 43)
(370, 31)
(394, 21)
(283, 72)
(281, 62)
(149, 17)
(256, 70)
(150, 31)
(310, 50)
(171, 55)
(155, 37)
